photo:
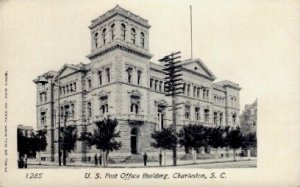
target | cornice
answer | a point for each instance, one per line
(117, 10)
(122, 46)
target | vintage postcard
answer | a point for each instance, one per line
(150, 93)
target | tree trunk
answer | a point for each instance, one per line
(248, 154)
(217, 153)
(165, 157)
(234, 156)
(106, 158)
(40, 159)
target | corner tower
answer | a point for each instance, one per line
(119, 29)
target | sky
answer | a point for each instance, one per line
(253, 43)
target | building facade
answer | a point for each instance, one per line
(121, 82)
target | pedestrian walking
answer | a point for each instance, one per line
(96, 159)
(100, 160)
(145, 159)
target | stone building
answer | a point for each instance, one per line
(121, 82)
(248, 118)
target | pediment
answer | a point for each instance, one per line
(197, 66)
(66, 70)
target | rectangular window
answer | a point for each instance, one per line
(100, 77)
(151, 83)
(108, 75)
(188, 90)
(160, 85)
(187, 112)
(89, 108)
(197, 113)
(41, 97)
(139, 76)
(89, 83)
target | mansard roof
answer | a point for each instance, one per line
(117, 10)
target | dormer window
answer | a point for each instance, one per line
(112, 30)
(142, 40)
(96, 39)
(133, 35)
(123, 31)
(104, 36)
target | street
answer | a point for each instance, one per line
(205, 164)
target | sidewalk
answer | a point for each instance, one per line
(141, 165)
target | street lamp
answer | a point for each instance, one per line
(42, 80)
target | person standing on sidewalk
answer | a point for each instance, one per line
(145, 159)
(96, 160)
(160, 159)
(100, 160)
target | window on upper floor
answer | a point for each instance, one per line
(104, 36)
(183, 88)
(112, 31)
(43, 118)
(96, 39)
(160, 86)
(139, 77)
(206, 115)
(89, 109)
(89, 83)
(108, 74)
(134, 104)
(187, 112)
(234, 119)
(188, 89)
(194, 91)
(129, 74)
(142, 40)
(221, 118)
(160, 117)
(215, 118)
(155, 84)
(198, 92)
(104, 104)
(151, 83)
(100, 77)
(72, 110)
(207, 94)
(197, 113)
(133, 34)
(123, 31)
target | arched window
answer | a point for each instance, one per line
(96, 39)
(134, 108)
(234, 119)
(123, 31)
(133, 35)
(142, 39)
(104, 35)
(112, 30)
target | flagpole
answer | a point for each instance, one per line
(191, 24)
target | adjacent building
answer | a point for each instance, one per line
(121, 82)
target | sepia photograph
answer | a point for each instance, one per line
(114, 91)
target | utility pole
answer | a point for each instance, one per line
(173, 87)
